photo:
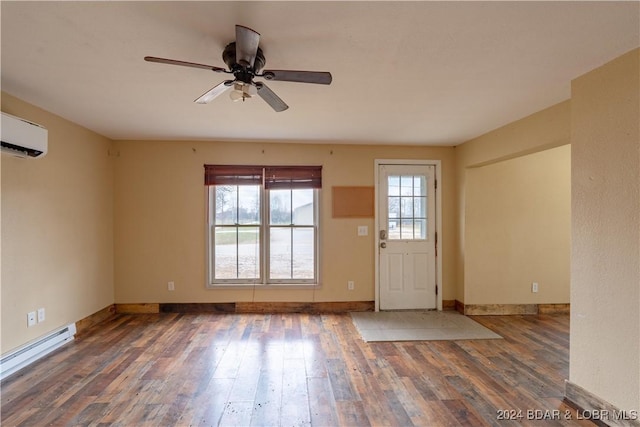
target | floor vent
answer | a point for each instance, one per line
(29, 353)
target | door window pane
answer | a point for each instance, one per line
(406, 185)
(420, 207)
(393, 186)
(419, 187)
(406, 230)
(393, 226)
(420, 229)
(406, 210)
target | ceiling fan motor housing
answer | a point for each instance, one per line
(229, 58)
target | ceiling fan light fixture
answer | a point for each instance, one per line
(242, 91)
(236, 95)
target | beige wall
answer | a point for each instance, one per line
(605, 271)
(518, 226)
(160, 218)
(57, 229)
(499, 154)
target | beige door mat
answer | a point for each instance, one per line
(419, 326)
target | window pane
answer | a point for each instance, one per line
(280, 253)
(420, 229)
(393, 227)
(407, 207)
(280, 207)
(406, 186)
(394, 207)
(303, 248)
(393, 186)
(420, 207)
(249, 253)
(237, 253)
(407, 229)
(303, 211)
(248, 204)
(419, 187)
(226, 255)
(226, 200)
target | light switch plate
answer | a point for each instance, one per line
(363, 230)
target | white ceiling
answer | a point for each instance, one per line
(436, 73)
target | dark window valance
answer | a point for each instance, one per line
(291, 177)
(275, 177)
(232, 175)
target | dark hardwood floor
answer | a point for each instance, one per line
(293, 369)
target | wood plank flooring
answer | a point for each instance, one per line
(293, 369)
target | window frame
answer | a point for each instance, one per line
(264, 242)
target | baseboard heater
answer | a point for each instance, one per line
(29, 353)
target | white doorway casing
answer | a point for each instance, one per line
(436, 164)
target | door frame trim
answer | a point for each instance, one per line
(438, 208)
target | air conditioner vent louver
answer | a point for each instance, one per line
(20, 151)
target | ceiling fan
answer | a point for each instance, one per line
(245, 59)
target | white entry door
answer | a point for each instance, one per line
(407, 240)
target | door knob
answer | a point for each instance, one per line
(383, 245)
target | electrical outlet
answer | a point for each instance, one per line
(31, 318)
(534, 287)
(41, 316)
(351, 285)
(171, 286)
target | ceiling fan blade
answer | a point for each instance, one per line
(211, 94)
(183, 63)
(319, 77)
(247, 41)
(270, 97)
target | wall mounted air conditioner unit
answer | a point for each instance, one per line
(22, 138)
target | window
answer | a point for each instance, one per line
(263, 224)
(407, 207)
